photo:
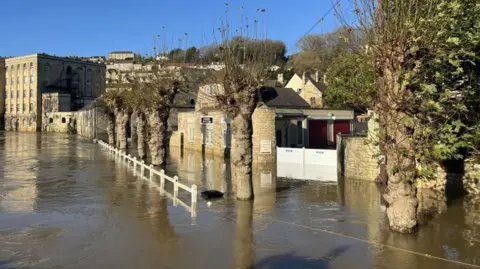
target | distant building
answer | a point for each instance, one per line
(121, 56)
(2, 92)
(28, 77)
(311, 89)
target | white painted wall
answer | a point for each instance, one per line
(308, 164)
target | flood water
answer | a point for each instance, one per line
(66, 203)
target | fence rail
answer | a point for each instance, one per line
(129, 160)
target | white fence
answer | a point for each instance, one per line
(311, 164)
(123, 157)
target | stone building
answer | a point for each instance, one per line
(27, 77)
(121, 56)
(311, 89)
(2, 92)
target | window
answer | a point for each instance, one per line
(300, 132)
(313, 101)
(11, 108)
(24, 93)
(24, 68)
(25, 81)
(24, 107)
(63, 120)
(50, 120)
(12, 94)
(31, 68)
(31, 107)
(18, 94)
(209, 134)
(31, 79)
(31, 93)
(191, 134)
(18, 107)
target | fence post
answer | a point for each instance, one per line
(194, 194)
(134, 166)
(142, 168)
(303, 162)
(128, 159)
(151, 172)
(162, 179)
(175, 190)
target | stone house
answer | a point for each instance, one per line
(310, 88)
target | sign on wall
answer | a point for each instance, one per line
(266, 146)
(205, 120)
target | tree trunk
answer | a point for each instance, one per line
(111, 129)
(157, 134)
(400, 193)
(121, 118)
(141, 134)
(242, 130)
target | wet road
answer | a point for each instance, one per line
(65, 203)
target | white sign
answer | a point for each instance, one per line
(266, 180)
(266, 146)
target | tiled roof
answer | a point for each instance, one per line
(282, 97)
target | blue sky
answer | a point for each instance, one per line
(96, 27)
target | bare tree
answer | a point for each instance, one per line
(237, 95)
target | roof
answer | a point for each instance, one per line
(317, 113)
(121, 52)
(282, 97)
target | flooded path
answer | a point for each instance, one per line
(65, 203)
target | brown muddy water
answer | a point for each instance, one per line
(65, 203)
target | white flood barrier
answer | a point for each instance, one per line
(153, 174)
(307, 164)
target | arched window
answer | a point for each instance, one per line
(63, 120)
(24, 108)
(25, 68)
(11, 108)
(88, 90)
(50, 120)
(31, 68)
(46, 74)
(69, 77)
(31, 107)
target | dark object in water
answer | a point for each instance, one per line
(211, 194)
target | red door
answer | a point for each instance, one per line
(317, 133)
(340, 126)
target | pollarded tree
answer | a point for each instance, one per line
(109, 117)
(117, 102)
(425, 55)
(154, 93)
(239, 86)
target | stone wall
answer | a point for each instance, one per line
(192, 130)
(471, 178)
(264, 141)
(356, 158)
(90, 123)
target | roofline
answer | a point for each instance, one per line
(47, 56)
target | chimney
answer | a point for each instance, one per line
(280, 78)
(316, 76)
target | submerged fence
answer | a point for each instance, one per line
(129, 160)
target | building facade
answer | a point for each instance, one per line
(310, 88)
(2, 92)
(28, 77)
(121, 56)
